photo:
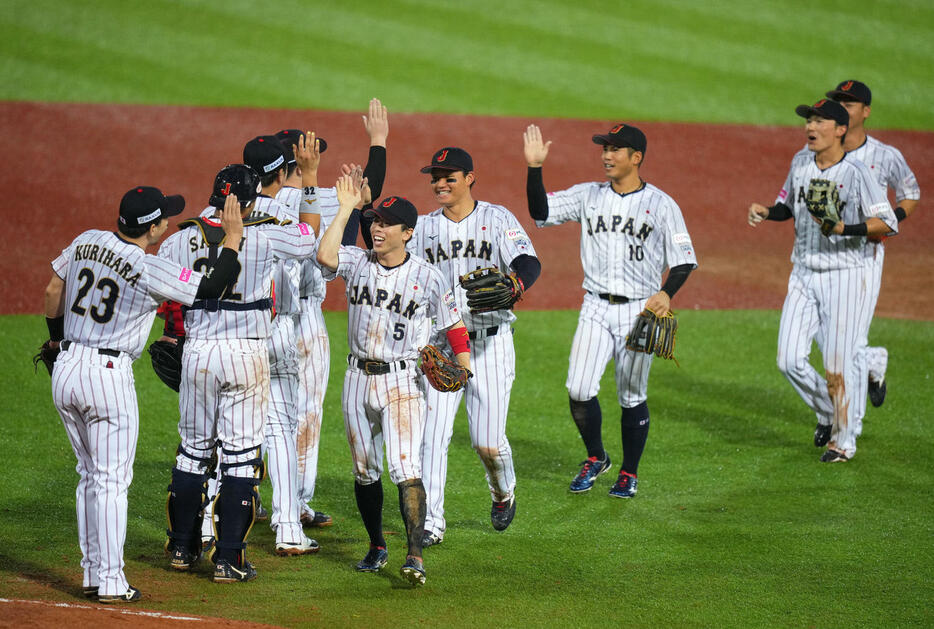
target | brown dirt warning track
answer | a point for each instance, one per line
(63, 169)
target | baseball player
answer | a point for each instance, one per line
(314, 354)
(890, 170)
(392, 298)
(828, 287)
(459, 237)
(100, 305)
(630, 231)
(225, 383)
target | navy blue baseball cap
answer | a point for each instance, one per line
(622, 135)
(853, 91)
(825, 108)
(289, 137)
(450, 158)
(145, 204)
(264, 154)
(395, 211)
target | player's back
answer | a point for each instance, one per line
(110, 296)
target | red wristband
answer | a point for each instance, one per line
(459, 340)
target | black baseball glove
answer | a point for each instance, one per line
(48, 352)
(490, 289)
(823, 202)
(167, 362)
(653, 334)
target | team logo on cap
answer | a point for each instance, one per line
(820, 102)
(226, 189)
(847, 86)
(617, 128)
(389, 201)
(442, 156)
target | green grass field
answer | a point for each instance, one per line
(724, 61)
(736, 522)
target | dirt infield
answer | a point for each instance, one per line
(65, 167)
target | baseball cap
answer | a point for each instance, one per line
(264, 154)
(145, 204)
(622, 135)
(851, 90)
(394, 211)
(450, 158)
(288, 137)
(825, 108)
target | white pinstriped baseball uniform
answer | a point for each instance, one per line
(827, 293)
(890, 170)
(489, 236)
(112, 290)
(225, 365)
(314, 352)
(389, 320)
(627, 240)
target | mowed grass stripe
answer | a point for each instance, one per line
(736, 522)
(671, 60)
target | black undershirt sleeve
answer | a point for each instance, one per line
(527, 269)
(350, 230)
(375, 170)
(535, 192)
(676, 278)
(222, 274)
(779, 212)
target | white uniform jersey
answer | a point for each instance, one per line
(262, 246)
(860, 199)
(389, 309)
(489, 236)
(312, 283)
(889, 168)
(627, 240)
(112, 290)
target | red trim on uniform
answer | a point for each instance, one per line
(459, 340)
(211, 223)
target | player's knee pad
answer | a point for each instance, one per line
(196, 461)
(635, 417)
(247, 463)
(235, 508)
(184, 507)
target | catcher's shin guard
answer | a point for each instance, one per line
(184, 509)
(236, 501)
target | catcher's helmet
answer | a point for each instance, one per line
(238, 179)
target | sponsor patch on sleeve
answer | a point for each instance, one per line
(782, 195)
(303, 228)
(448, 300)
(681, 239)
(185, 275)
(515, 234)
(878, 209)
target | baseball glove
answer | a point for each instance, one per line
(48, 352)
(823, 203)
(443, 373)
(490, 289)
(167, 362)
(653, 334)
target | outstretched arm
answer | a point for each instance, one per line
(347, 197)
(536, 151)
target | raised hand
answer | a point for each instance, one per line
(307, 153)
(232, 221)
(377, 123)
(536, 150)
(348, 195)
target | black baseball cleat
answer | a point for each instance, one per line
(626, 485)
(375, 559)
(431, 539)
(502, 513)
(89, 591)
(591, 468)
(414, 571)
(834, 456)
(317, 519)
(130, 596)
(822, 435)
(226, 572)
(877, 392)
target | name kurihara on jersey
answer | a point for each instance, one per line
(312, 284)
(627, 240)
(390, 310)
(261, 249)
(860, 198)
(112, 289)
(489, 236)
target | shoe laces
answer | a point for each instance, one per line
(589, 463)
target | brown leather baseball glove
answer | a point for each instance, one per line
(443, 373)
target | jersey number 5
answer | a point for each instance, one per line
(103, 312)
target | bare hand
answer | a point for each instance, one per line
(377, 123)
(757, 214)
(307, 153)
(659, 303)
(232, 221)
(536, 150)
(348, 195)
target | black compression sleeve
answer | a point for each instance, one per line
(527, 269)
(365, 222)
(350, 230)
(375, 170)
(535, 192)
(676, 278)
(779, 212)
(856, 229)
(221, 275)
(900, 214)
(56, 327)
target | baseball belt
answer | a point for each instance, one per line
(100, 350)
(213, 305)
(375, 367)
(484, 332)
(613, 299)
